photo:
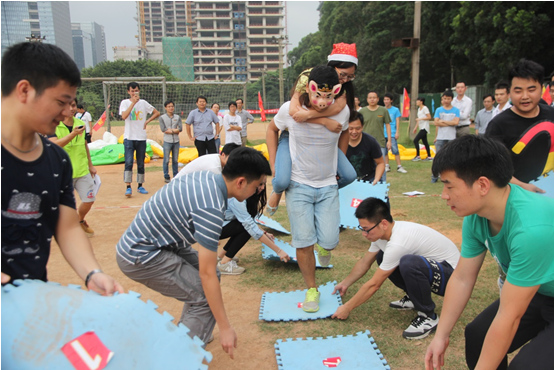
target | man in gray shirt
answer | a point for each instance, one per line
(246, 118)
(201, 119)
(171, 126)
(484, 115)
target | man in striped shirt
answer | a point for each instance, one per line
(156, 248)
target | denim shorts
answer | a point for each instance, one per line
(314, 215)
(394, 147)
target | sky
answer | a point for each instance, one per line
(120, 25)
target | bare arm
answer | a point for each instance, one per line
(272, 142)
(530, 187)
(134, 99)
(359, 270)
(188, 129)
(343, 143)
(92, 169)
(67, 139)
(155, 115)
(380, 169)
(283, 256)
(77, 251)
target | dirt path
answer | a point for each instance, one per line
(111, 215)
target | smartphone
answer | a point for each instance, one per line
(79, 127)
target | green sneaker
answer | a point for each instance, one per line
(311, 300)
(324, 256)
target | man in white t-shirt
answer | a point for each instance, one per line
(85, 116)
(134, 111)
(209, 162)
(312, 196)
(232, 125)
(416, 258)
(501, 98)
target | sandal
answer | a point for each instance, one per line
(271, 210)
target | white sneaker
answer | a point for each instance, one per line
(402, 304)
(401, 169)
(421, 326)
(230, 268)
(387, 169)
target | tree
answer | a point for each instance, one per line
(126, 68)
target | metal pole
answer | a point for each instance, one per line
(415, 68)
(106, 92)
(280, 42)
(264, 86)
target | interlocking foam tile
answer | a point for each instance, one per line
(272, 224)
(353, 194)
(355, 352)
(269, 254)
(285, 306)
(38, 318)
(545, 183)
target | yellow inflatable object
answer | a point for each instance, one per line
(186, 155)
(264, 149)
(157, 151)
(409, 154)
(120, 140)
(147, 157)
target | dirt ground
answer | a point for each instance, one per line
(111, 215)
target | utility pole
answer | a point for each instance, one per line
(415, 71)
(279, 41)
(264, 86)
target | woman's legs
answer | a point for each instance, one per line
(282, 171)
(345, 170)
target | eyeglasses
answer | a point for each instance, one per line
(370, 229)
(344, 76)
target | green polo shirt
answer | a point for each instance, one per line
(75, 148)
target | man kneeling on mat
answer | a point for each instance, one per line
(416, 258)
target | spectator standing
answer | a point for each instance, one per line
(423, 120)
(484, 115)
(134, 111)
(357, 104)
(464, 104)
(171, 126)
(446, 119)
(375, 117)
(201, 119)
(85, 116)
(395, 115)
(502, 91)
(233, 125)
(217, 134)
(246, 119)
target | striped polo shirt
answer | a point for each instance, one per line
(187, 210)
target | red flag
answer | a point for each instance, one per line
(100, 122)
(261, 106)
(546, 96)
(406, 104)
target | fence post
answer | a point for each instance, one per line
(106, 93)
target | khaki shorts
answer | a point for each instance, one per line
(84, 186)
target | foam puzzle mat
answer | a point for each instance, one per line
(287, 306)
(269, 254)
(40, 320)
(351, 352)
(546, 183)
(353, 194)
(272, 224)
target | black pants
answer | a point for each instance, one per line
(419, 277)
(206, 147)
(422, 135)
(237, 235)
(535, 326)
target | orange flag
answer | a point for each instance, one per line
(261, 106)
(406, 104)
(546, 95)
(100, 122)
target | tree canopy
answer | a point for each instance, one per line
(126, 68)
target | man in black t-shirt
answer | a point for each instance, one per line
(364, 152)
(526, 129)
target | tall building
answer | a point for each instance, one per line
(89, 44)
(42, 19)
(234, 40)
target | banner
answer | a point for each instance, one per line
(406, 104)
(261, 106)
(546, 96)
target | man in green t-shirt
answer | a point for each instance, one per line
(375, 117)
(516, 227)
(70, 135)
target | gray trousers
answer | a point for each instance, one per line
(174, 273)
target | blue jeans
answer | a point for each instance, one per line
(394, 147)
(282, 175)
(384, 154)
(439, 144)
(313, 215)
(174, 149)
(139, 148)
(217, 145)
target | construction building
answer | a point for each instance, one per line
(234, 40)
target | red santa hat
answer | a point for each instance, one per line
(344, 53)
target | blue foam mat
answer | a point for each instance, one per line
(39, 318)
(358, 351)
(269, 254)
(272, 224)
(284, 306)
(546, 183)
(351, 195)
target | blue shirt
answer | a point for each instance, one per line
(448, 132)
(202, 123)
(394, 113)
(189, 209)
(238, 210)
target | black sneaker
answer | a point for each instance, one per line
(421, 327)
(402, 304)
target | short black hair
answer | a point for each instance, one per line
(168, 102)
(388, 95)
(488, 96)
(232, 103)
(79, 106)
(324, 76)
(503, 85)
(246, 162)
(43, 65)
(422, 99)
(132, 85)
(201, 97)
(448, 93)
(240, 99)
(356, 115)
(374, 210)
(215, 104)
(229, 147)
(471, 157)
(527, 69)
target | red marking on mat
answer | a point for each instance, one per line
(300, 305)
(87, 352)
(332, 361)
(355, 202)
